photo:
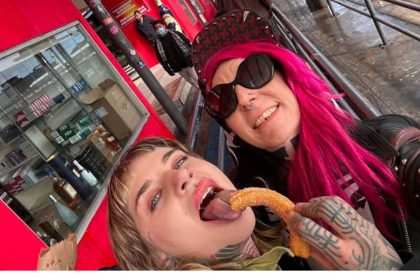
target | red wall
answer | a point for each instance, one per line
(142, 46)
(21, 21)
(19, 245)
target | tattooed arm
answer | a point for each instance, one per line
(352, 243)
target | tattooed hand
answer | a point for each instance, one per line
(352, 244)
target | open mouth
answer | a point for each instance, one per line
(208, 196)
(215, 205)
(264, 116)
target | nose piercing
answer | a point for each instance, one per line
(248, 106)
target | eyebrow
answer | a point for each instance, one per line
(142, 190)
(168, 155)
(146, 184)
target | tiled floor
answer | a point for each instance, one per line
(175, 86)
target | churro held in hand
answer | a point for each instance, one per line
(275, 201)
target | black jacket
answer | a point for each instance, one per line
(176, 60)
(146, 28)
(393, 138)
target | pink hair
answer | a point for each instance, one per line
(325, 148)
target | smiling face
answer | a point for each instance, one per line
(166, 189)
(266, 118)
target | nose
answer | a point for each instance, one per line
(182, 180)
(245, 97)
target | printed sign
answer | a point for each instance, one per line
(78, 86)
(123, 12)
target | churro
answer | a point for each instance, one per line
(275, 201)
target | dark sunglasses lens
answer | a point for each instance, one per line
(228, 101)
(255, 72)
(221, 101)
(212, 103)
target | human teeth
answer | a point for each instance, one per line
(209, 191)
(265, 116)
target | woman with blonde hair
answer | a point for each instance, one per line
(167, 209)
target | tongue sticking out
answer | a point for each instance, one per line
(219, 208)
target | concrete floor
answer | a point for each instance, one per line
(389, 76)
(177, 88)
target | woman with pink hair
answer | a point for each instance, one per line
(285, 129)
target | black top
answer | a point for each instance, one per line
(176, 60)
(146, 28)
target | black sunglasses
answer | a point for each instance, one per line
(254, 72)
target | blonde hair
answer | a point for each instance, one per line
(131, 251)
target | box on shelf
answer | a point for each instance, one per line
(74, 130)
(106, 84)
(9, 133)
(14, 184)
(94, 139)
(27, 149)
(114, 108)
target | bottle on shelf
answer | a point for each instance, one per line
(50, 231)
(66, 192)
(112, 144)
(67, 172)
(68, 216)
(109, 140)
(86, 174)
(43, 237)
(47, 239)
(16, 206)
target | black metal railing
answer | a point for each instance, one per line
(195, 119)
(404, 4)
(378, 19)
(357, 103)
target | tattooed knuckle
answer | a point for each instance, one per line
(315, 199)
(337, 199)
(304, 226)
(346, 255)
(294, 221)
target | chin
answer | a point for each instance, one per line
(246, 223)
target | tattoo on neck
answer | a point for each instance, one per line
(244, 250)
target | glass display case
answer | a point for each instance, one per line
(65, 118)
